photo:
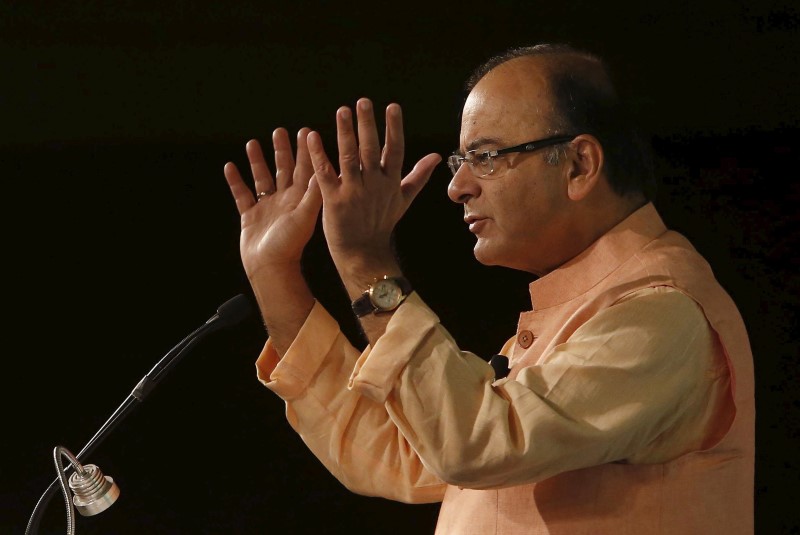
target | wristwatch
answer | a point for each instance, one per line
(382, 295)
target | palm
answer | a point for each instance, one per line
(277, 224)
(273, 229)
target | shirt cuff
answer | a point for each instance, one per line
(378, 367)
(289, 376)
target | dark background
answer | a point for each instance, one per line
(121, 236)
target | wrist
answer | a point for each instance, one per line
(385, 294)
(364, 263)
(358, 273)
(267, 271)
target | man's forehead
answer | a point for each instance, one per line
(513, 96)
(497, 117)
(524, 76)
(490, 106)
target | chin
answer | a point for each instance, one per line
(497, 256)
(486, 255)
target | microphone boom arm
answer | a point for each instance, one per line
(229, 313)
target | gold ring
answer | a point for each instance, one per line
(261, 194)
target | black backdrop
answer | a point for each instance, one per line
(121, 236)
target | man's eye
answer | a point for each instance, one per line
(482, 158)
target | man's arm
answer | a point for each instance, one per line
(642, 382)
(364, 202)
(277, 222)
(351, 435)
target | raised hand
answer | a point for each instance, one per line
(277, 222)
(366, 199)
(279, 218)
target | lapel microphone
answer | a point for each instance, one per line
(500, 365)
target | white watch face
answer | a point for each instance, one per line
(386, 294)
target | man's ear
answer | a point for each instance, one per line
(585, 166)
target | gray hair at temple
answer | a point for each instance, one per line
(586, 102)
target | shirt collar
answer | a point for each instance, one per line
(583, 272)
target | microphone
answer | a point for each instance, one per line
(87, 478)
(232, 311)
(229, 313)
(500, 365)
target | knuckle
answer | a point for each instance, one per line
(349, 159)
(325, 168)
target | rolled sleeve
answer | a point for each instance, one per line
(350, 434)
(290, 376)
(379, 367)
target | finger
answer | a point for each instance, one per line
(241, 193)
(261, 173)
(323, 169)
(414, 181)
(311, 202)
(303, 168)
(284, 161)
(394, 145)
(349, 160)
(369, 144)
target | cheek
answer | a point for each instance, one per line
(520, 209)
(510, 202)
(529, 213)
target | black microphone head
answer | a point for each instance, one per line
(234, 310)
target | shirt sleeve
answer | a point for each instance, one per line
(352, 435)
(636, 383)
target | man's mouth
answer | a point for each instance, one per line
(475, 222)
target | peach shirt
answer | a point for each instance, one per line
(620, 415)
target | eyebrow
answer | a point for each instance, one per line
(479, 142)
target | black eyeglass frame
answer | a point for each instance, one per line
(455, 161)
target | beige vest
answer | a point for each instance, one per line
(704, 492)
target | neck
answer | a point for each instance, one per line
(605, 214)
(595, 219)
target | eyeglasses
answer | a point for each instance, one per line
(482, 163)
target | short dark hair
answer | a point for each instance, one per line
(586, 101)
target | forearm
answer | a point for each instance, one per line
(284, 300)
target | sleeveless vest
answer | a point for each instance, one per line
(702, 492)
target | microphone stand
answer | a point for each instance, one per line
(229, 313)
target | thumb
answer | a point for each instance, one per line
(311, 202)
(414, 181)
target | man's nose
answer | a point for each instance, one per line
(464, 185)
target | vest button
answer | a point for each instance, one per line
(525, 339)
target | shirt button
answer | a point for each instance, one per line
(525, 339)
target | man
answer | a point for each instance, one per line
(628, 407)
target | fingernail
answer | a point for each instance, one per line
(364, 104)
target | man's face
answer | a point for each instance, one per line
(520, 213)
